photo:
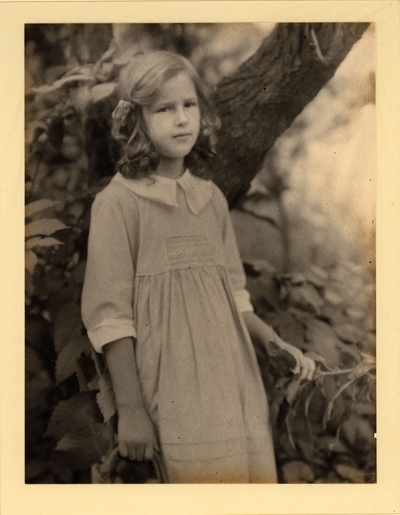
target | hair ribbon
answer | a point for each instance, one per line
(121, 112)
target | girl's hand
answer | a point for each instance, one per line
(258, 329)
(136, 434)
(304, 366)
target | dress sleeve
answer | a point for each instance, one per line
(233, 260)
(107, 297)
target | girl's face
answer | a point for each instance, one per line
(173, 120)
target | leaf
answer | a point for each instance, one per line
(98, 361)
(352, 474)
(62, 295)
(297, 279)
(297, 472)
(262, 207)
(159, 467)
(329, 408)
(67, 324)
(109, 462)
(66, 360)
(85, 445)
(330, 445)
(317, 276)
(263, 290)
(85, 372)
(315, 356)
(306, 297)
(76, 210)
(34, 468)
(360, 369)
(289, 430)
(42, 242)
(310, 453)
(348, 333)
(288, 327)
(79, 97)
(323, 340)
(79, 410)
(280, 361)
(293, 389)
(105, 397)
(31, 243)
(103, 91)
(33, 364)
(262, 266)
(85, 70)
(31, 260)
(308, 402)
(38, 383)
(67, 80)
(333, 297)
(40, 205)
(45, 226)
(130, 471)
(37, 333)
(327, 415)
(60, 469)
(281, 382)
(358, 433)
(83, 384)
(78, 274)
(363, 409)
(355, 313)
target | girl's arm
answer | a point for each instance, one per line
(263, 332)
(256, 327)
(136, 434)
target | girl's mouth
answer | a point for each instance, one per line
(183, 135)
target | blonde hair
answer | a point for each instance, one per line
(139, 85)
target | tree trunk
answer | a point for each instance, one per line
(260, 100)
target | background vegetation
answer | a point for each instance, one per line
(305, 230)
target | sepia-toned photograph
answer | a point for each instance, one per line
(200, 212)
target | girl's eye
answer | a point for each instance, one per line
(163, 109)
(191, 104)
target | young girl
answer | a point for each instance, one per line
(164, 296)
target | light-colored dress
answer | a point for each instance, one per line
(163, 266)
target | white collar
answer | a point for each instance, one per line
(198, 192)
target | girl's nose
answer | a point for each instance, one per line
(181, 116)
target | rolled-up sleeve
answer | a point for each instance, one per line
(107, 296)
(234, 263)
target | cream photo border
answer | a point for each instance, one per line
(16, 498)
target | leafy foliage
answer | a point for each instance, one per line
(324, 429)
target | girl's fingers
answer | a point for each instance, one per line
(312, 371)
(303, 373)
(306, 368)
(297, 368)
(148, 453)
(123, 450)
(309, 369)
(140, 452)
(132, 453)
(136, 452)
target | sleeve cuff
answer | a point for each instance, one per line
(242, 299)
(109, 331)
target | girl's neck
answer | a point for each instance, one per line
(171, 168)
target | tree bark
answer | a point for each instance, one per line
(260, 100)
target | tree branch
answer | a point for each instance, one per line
(260, 100)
